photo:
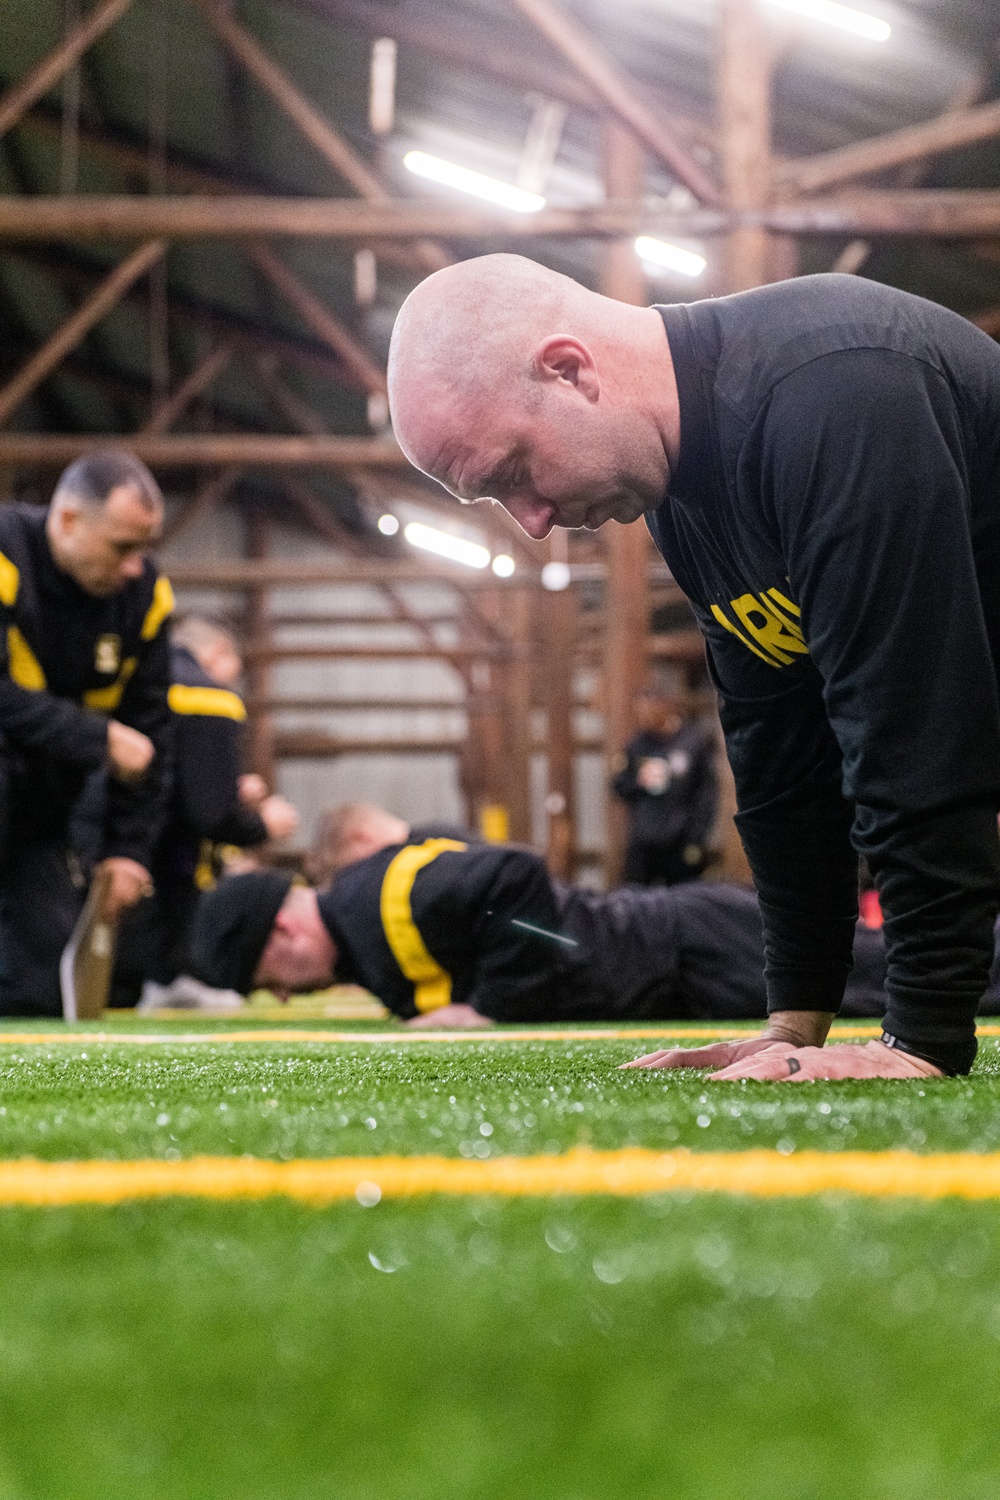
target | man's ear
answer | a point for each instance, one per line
(561, 357)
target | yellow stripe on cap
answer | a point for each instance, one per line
(215, 703)
(10, 581)
(105, 700)
(161, 607)
(23, 665)
(432, 984)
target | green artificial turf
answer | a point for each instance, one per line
(468, 1098)
(678, 1347)
(697, 1349)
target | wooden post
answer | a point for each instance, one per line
(744, 88)
(627, 548)
(257, 629)
(518, 698)
(559, 626)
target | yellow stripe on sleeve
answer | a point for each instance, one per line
(161, 607)
(215, 703)
(23, 665)
(10, 581)
(432, 984)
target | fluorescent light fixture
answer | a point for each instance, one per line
(661, 256)
(503, 565)
(476, 183)
(388, 525)
(444, 544)
(871, 27)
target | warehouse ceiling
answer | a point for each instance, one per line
(159, 105)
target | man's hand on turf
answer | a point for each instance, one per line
(786, 1031)
(450, 1018)
(844, 1060)
(127, 882)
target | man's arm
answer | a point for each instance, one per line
(35, 720)
(137, 808)
(519, 946)
(208, 769)
(875, 515)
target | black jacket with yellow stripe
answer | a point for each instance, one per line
(204, 806)
(425, 925)
(68, 662)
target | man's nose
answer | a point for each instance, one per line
(536, 517)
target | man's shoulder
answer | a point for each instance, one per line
(761, 337)
(22, 528)
(186, 671)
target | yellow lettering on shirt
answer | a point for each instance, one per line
(769, 626)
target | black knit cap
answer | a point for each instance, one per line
(232, 926)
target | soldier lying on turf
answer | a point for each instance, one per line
(448, 934)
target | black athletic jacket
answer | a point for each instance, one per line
(835, 520)
(422, 925)
(69, 662)
(204, 806)
(683, 810)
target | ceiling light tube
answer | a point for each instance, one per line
(444, 544)
(449, 174)
(844, 16)
(658, 254)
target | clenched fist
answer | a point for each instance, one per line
(129, 751)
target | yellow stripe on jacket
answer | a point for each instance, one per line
(161, 607)
(432, 984)
(215, 703)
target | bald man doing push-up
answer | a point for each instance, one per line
(819, 464)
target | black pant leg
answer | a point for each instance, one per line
(39, 907)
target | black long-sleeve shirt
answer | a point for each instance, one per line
(835, 520)
(68, 662)
(681, 808)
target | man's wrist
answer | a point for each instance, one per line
(803, 1028)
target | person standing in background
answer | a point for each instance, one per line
(667, 781)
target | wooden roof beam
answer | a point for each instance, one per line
(76, 327)
(619, 94)
(21, 96)
(946, 132)
(316, 129)
(194, 385)
(927, 213)
(189, 450)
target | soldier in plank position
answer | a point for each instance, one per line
(83, 683)
(819, 464)
(453, 934)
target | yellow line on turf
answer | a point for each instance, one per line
(525, 1034)
(759, 1174)
(288, 1034)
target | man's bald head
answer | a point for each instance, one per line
(510, 381)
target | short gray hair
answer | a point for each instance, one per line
(91, 479)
